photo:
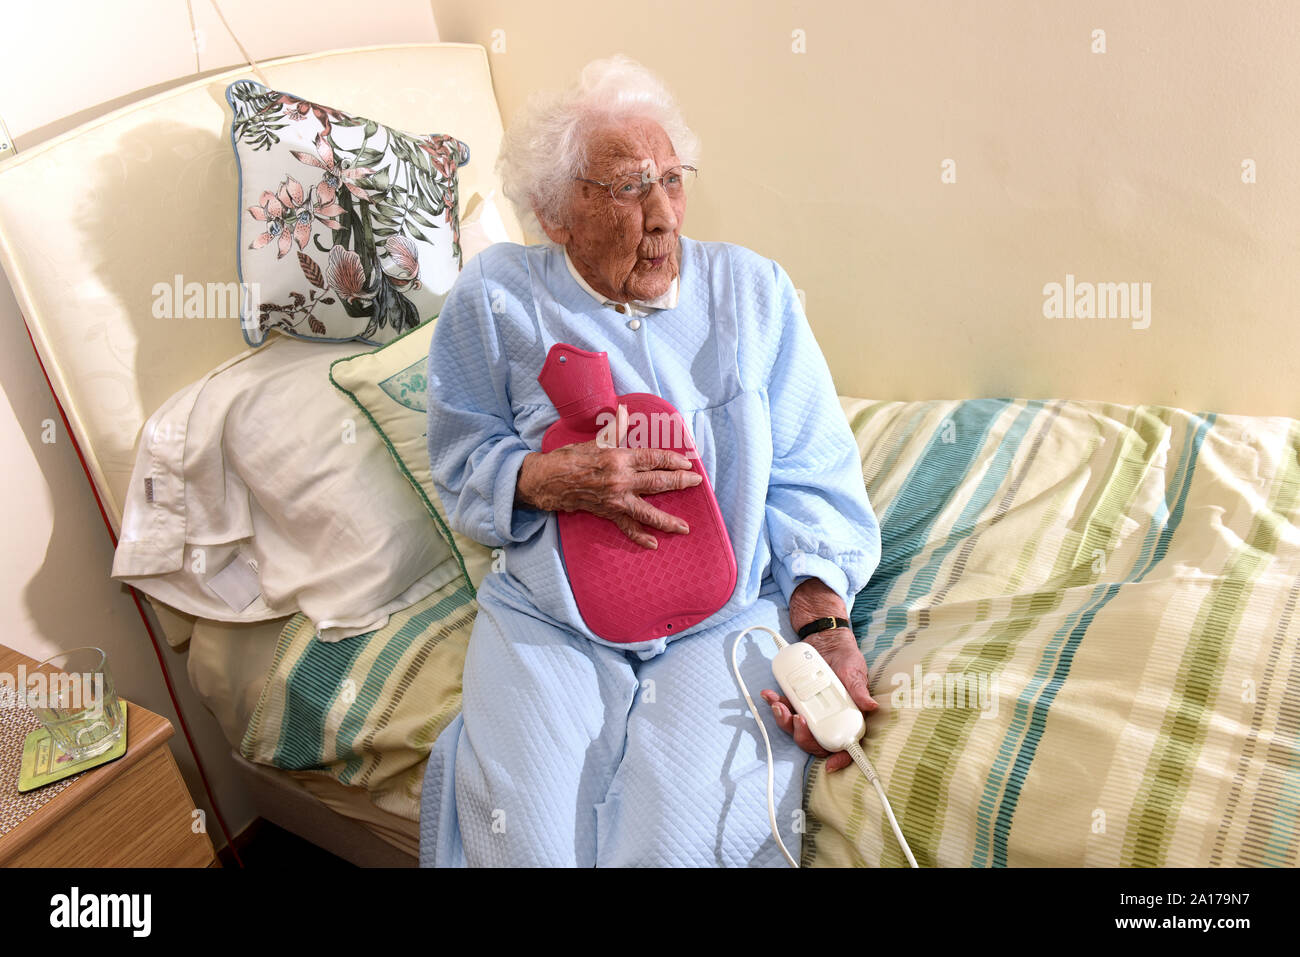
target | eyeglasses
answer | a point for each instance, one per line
(632, 189)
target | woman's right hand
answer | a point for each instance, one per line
(608, 482)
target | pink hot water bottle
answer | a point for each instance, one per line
(624, 592)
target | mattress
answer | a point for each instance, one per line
(1082, 636)
(355, 803)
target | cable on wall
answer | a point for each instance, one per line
(7, 147)
(189, 4)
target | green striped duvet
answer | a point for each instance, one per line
(366, 710)
(1082, 635)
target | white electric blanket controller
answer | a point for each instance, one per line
(817, 693)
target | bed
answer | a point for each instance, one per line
(1082, 634)
(111, 363)
(1082, 637)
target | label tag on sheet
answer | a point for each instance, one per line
(237, 583)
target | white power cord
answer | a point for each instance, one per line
(771, 771)
(817, 694)
(860, 759)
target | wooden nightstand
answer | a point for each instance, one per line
(132, 812)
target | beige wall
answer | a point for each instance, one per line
(1123, 166)
(61, 64)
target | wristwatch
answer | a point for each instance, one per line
(823, 624)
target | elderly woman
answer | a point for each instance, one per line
(570, 749)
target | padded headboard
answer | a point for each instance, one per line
(90, 221)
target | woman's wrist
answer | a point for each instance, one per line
(813, 599)
(525, 482)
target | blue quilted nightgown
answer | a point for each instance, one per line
(571, 750)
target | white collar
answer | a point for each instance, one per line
(634, 308)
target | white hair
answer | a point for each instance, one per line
(546, 144)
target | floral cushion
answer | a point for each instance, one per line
(348, 229)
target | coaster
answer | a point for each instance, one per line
(44, 763)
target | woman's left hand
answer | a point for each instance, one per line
(839, 647)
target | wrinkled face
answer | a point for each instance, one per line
(624, 252)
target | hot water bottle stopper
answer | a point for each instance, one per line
(627, 593)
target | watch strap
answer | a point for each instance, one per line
(823, 624)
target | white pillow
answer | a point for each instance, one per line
(262, 459)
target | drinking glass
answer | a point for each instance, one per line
(72, 695)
